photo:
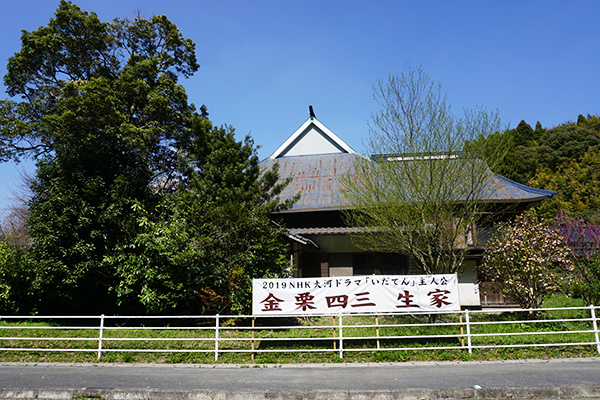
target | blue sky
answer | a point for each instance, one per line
(264, 62)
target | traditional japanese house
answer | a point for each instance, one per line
(315, 158)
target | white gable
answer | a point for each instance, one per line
(312, 138)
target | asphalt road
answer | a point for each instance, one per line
(506, 379)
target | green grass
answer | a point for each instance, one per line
(397, 341)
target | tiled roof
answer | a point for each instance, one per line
(317, 179)
(507, 190)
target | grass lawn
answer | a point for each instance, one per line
(366, 338)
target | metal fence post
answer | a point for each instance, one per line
(462, 330)
(253, 322)
(217, 337)
(341, 336)
(595, 324)
(467, 320)
(100, 336)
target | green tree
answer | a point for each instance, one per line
(566, 143)
(539, 130)
(523, 134)
(211, 236)
(593, 122)
(577, 183)
(563, 159)
(102, 109)
(520, 159)
(119, 148)
(528, 259)
(14, 279)
(420, 196)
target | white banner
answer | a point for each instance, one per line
(373, 293)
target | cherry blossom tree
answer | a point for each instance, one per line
(527, 259)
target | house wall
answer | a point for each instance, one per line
(338, 256)
(469, 274)
(334, 243)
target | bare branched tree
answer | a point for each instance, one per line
(420, 194)
(13, 227)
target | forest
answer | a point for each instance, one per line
(564, 158)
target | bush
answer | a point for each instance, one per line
(527, 259)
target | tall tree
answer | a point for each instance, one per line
(211, 236)
(520, 159)
(523, 134)
(101, 106)
(421, 196)
(102, 110)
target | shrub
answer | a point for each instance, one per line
(527, 259)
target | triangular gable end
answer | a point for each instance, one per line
(310, 139)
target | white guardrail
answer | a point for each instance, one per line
(340, 333)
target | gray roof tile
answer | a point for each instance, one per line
(317, 179)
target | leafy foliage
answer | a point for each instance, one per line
(564, 143)
(139, 202)
(519, 159)
(199, 248)
(528, 259)
(14, 280)
(420, 196)
(564, 159)
(577, 183)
